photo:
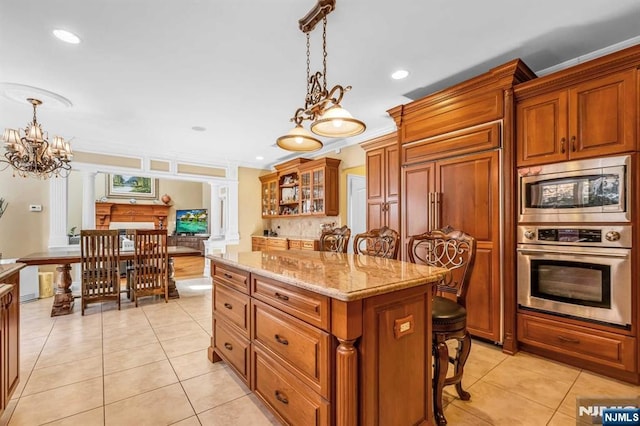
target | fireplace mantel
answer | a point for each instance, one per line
(115, 212)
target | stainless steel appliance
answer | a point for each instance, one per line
(576, 271)
(594, 190)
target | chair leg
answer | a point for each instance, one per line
(440, 367)
(464, 347)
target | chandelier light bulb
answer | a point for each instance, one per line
(337, 122)
(299, 139)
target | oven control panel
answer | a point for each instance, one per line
(571, 235)
(597, 236)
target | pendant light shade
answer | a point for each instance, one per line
(336, 122)
(299, 139)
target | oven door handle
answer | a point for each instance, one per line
(581, 253)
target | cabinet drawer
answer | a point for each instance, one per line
(581, 342)
(304, 347)
(305, 305)
(258, 243)
(231, 276)
(232, 305)
(292, 401)
(277, 244)
(295, 244)
(232, 347)
(309, 245)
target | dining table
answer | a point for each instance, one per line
(63, 258)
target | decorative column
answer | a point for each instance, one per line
(88, 200)
(232, 235)
(58, 200)
(215, 216)
(216, 242)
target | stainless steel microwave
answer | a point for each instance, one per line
(594, 190)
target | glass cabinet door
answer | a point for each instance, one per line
(318, 191)
(273, 198)
(305, 193)
(265, 199)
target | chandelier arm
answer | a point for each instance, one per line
(315, 15)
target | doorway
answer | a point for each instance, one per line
(356, 206)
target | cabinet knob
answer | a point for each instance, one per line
(228, 306)
(612, 236)
(573, 143)
(529, 235)
(562, 141)
(228, 346)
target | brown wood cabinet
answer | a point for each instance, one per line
(458, 169)
(277, 243)
(315, 360)
(192, 241)
(589, 119)
(608, 352)
(269, 191)
(9, 332)
(468, 199)
(383, 182)
(302, 187)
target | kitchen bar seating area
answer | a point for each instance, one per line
(460, 247)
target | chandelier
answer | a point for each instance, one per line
(32, 154)
(321, 106)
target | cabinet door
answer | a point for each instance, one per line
(541, 126)
(375, 188)
(469, 190)
(305, 192)
(417, 182)
(602, 116)
(318, 192)
(392, 187)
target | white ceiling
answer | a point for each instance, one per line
(147, 71)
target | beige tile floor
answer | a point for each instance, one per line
(148, 366)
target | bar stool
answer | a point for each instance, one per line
(454, 250)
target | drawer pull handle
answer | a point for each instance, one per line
(281, 397)
(228, 346)
(562, 141)
(568, 339)
(282, 296)
(228, 276)
(228, 305)
(281, 340)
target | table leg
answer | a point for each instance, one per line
(173, 290)
(63, 299)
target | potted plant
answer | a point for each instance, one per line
(73, 237)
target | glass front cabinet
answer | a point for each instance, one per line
(269, 195)
(302, 187)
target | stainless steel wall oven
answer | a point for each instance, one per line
(578, 271)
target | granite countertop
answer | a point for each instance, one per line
(7, 269)
(289, 237)
(340, 276)
(5, 288)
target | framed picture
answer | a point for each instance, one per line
(125, 186)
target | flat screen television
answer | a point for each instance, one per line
(192, 221)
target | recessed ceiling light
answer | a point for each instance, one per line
(198, 128)
(400, 74)
(259, 157)
(66, 36)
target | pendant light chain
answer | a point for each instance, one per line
(308, 69)
(324, 54)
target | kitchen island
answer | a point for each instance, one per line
(327, 338)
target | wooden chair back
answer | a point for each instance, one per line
(383, 242)
(446, 248)
(100, 266)
(150, 270)
(336, 239)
